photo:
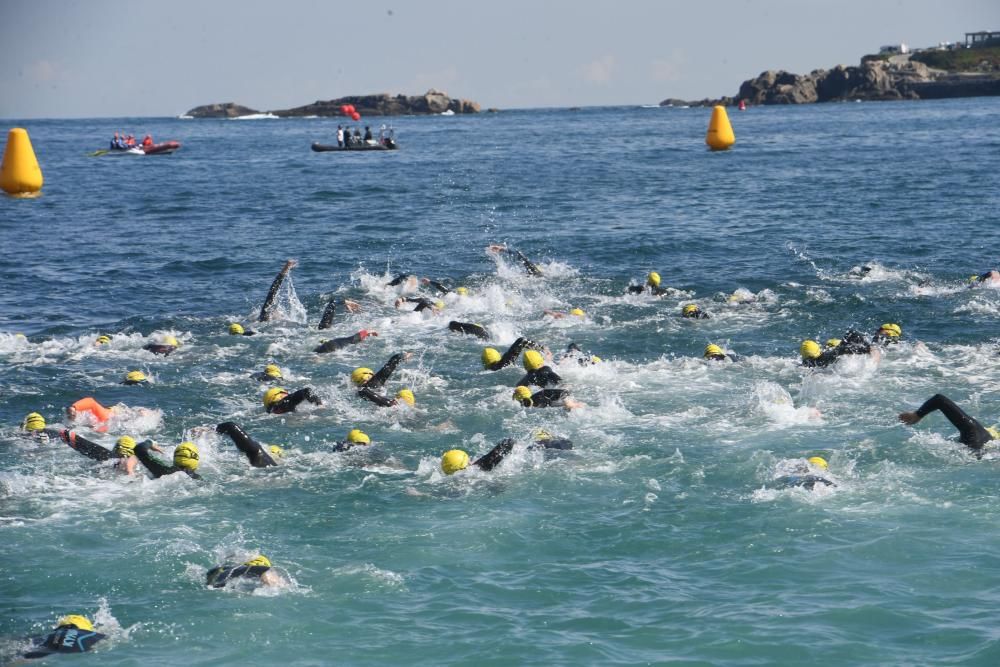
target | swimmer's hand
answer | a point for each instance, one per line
(909, 417)
(407, 356)
(289, 265)
(496, 247)
(352, 306)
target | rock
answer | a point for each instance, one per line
(224, 110)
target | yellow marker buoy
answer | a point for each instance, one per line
(720, 133)
(20, 175)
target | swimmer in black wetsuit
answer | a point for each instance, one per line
(456, 459)
(185, 460)
(369, 381)
(528, 265)
(256, 453)
(258, 568)
(72, 634)
(494, 361)
(340, 343)
(692, 312)
(270, 372)
(469, 328)
(423, 303)
(168, 345)
(326, 321)
(546, 398)
(652, 286)
(573, 352)
(804, 477)
(888, 334)
(538, 373)
(853, 342)
(715, 353)
(544, 440)
(123, 452)
(278, 401)
(272, 293)
(236, 329)
(970, 432)
(991, 277)
(355, 438)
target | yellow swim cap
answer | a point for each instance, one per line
(594, 359)
(809, 349)
(522, 393)
(533, 360)
(454, 460)
(819, 462)
(653, 278)
(125, 446)
(273, 395)
(974, 279)
(186, 456)
(134, 377)
(439, 304)
(361, 375)
(276, 451)
(77, 621)
(833, 342)
(713, 350)
(542, 434)
(893, 330)
(733, 298)
(462, 291)
(490, 356)
(406, 396)
(690, 309)
(170, 340)
(994, 433)
(578, 312)
(258, 561)
(33, 422)
(236, 329)
(272, 371)
(358, 437)
(103, 339)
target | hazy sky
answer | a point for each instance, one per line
(143, 58)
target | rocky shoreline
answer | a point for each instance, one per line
(873, 80)
(384, 104)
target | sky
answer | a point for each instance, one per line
(113, 58)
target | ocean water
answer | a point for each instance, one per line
(661, 537)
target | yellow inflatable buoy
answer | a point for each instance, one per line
(720, 133)
(20, 175)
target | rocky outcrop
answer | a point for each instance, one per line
(225, 110)
(432, 102)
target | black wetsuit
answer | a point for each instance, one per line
(970, 431)
(291, 401)
(541, 377)
(529, 266)
(326, 321)
(221, 575)
(247, 332)
(66, 639)
(272, 294)
(884, 339)
(91, 450)
(378, 380)
(399, 279)
(338, 343)
(156, 467)
(546, 398)
(159, 348)
(573, 351)
(853, 342)
(511, 355)
(805, 481)
(422, 302)
(696, 315)
(552, 443)
(438, 286)
(653, 289)
(345, 445)
(469, 328)
(729, 356)
(254, 451)
(378, 399)
(492, 458)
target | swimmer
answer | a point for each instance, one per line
(369, 381)
(423, 303)
(258, 567)
(326, 321)
(573, 352)
(692, 312)
(545, 440)
(887, 334)
(436, 285)
(546, 398)
(991, 277)
(339, 343)
(258, 455)
(970, 432)
(558, 314)
(652, 286)
(270, 372)
(277, 401)
(272, 293)
(72, 634)
(715, 353)
(123, 452)
(404, 395)
(89, 409)
(355, 438)
(34, 426)
(103, 339)
(852, 343)
(135, 377)
(185, 460)
(477, 330)
(538, 373)
(804, 476)
(456, 459)
(494, 361)
(236, 329)
(528, 265)
(407, 280)
(168, 345)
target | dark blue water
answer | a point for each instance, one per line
(662, 536)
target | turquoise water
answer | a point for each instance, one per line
(661, 537)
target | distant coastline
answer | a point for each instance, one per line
(384, 104)
(928, 74)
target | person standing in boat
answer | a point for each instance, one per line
(147, 141)
(340, 136)
(368, 134)
(357, 136)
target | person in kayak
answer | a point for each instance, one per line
(272, 293)
(257, 569)
(277, 401)
(335, 344)
(185, 460)
(970, 432)
(73, 634)
(258, 455)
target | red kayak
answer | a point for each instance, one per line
(165, 148)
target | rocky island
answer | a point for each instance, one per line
(384, 104)
(927, 74)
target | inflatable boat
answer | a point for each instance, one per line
(322, 148)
